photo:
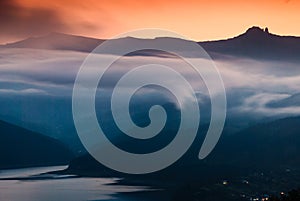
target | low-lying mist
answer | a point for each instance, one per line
(36, 88)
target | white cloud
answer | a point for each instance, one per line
(45, 72)
(257, 105)
(23, 91)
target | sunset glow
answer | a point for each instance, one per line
(196, 19)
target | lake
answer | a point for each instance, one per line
(30, 184)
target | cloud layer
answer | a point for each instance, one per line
(36, 87)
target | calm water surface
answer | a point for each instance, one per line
(27, 185)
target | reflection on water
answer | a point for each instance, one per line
(65, 188)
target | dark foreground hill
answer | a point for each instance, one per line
(23, 148)
(270, 146)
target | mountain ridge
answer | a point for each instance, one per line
(257, 142)
(20, 147)
(258, 44)
(255, 43)
(57, 41)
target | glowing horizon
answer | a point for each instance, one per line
(197, 20)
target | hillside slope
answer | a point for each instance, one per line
(23, 148)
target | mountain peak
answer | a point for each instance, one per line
(256, 34)
(256, 31)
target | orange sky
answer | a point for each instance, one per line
(195, 19)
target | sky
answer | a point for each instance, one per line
(195, 19)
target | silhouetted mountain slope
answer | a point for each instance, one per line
(257, 43)
(270, 146)
(23, 148)
(254, 43)
(58, 41)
